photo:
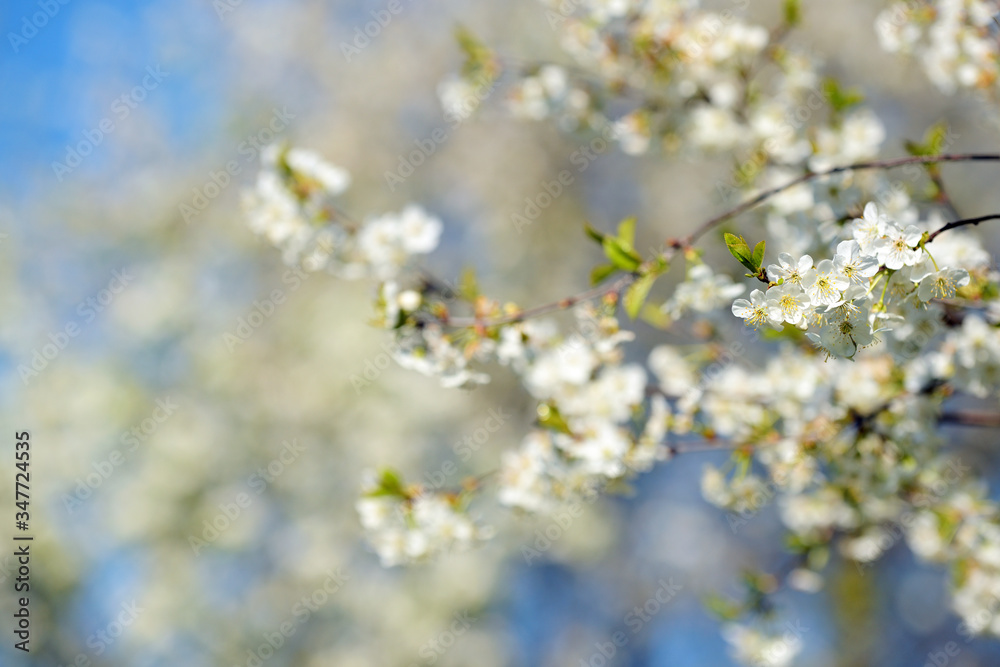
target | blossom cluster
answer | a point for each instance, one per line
(837, 297)
(293, 205)
(410, 524)
(589, 402)
(843, 438)
(956, 40)
(688, 75)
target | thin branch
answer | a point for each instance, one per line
(962, 223)
(674, 245)
(613, 287)
(813, 175)
(704, 446)
(970, 418)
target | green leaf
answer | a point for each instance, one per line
(619, 487)
(621, 254)
(390, 484)
(595, 234)
(468, 285)
(626, 231)
(793, 12)
(473, 48)
(722, 608)
(740, 250)
(636, 294)
(841, 99)
(758, 256)
(654, 316)
(933, 143)
(479, 59)
(601, 272)
(936, 137)
(549, 417)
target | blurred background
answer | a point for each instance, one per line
(127, 132)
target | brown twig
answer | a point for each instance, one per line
(970, 418)
(704, 446)
(674, 245)
(962, 223)
(813, 175)
(615, 286)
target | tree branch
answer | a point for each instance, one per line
(969, 418)
(619, 285)
(813, 175)
(962, 223)
(615, 286)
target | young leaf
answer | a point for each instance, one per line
(479, 59)
(601, 272)
(933, 143)
(621, 255)
(841, 99)
(793, 12)
(468, 285)
(758, 256)
(549, 417)
(626, 231)
(390, 484)
(654, 316)
(636, 294)
(595, 234)
(722, 608)
(740, 250)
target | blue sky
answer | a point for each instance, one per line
(63, 80)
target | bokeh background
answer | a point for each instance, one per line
(120, 483)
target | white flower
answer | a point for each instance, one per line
(861, 135)
(849, 260)
(458, 97)
(572, 363)
(752, 647)
(333, 179)
(410, 529)
(942, 284)
(378, 242)
(844, 336)
(632, 133)
(789, 269)
(374, 512)
(601, 449)
(757, 310)
(869, 229)
(675, 374)
(409, 300)
(713, 128)
(418, 231)
(896, 248)
(825, 284)
(702, 291)
(522, 473)
(791, 300)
